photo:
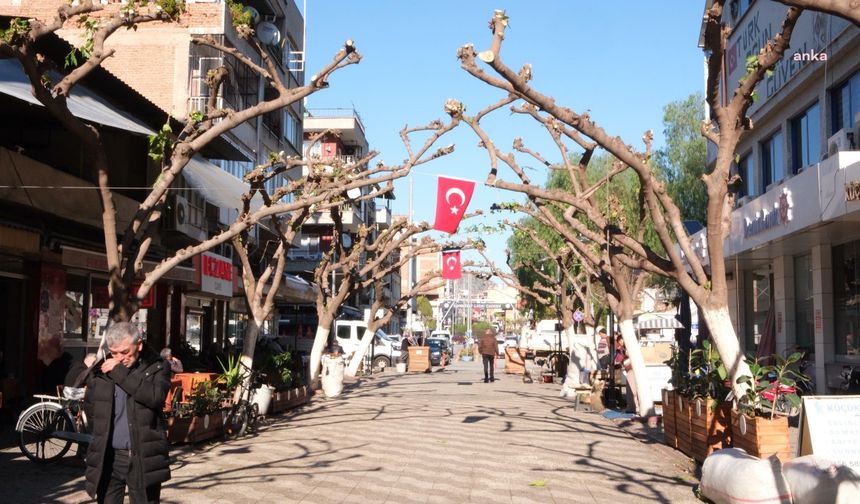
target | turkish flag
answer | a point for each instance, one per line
(451, 264)
(452, 198)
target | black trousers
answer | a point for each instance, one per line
(488, 364)
(117, 467)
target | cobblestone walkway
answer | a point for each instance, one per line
(444, 437)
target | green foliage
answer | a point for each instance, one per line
(18, 28)
(196, 116)
(172, 8)
(231, 373)
(766, 378)
(752, 63)
(205, 399)
(708, 375)
(479, 326)
(681, 163)
(160, 142)
(89, 26)
(425, 311)
(240, 16)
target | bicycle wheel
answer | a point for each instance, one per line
(237, 420)
(36, 433)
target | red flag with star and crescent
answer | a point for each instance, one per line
(451, 264)
(452, 198)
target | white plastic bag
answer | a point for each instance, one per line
(732, 476)
(332, 375)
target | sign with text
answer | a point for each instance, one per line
(216, 274)
(830, 428)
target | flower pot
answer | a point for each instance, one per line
(466, 358)
(670, 435)
(263, 398)
(683, 427)
(761, 436)
(709, 427)
(195, 429)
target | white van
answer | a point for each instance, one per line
(441, 333)
(384, 352)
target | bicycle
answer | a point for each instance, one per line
(47, 429)
(243, 415)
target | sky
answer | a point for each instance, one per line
(620, 60)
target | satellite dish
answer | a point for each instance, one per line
(255, 15)
(268, 33)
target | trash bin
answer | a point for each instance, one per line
(332, 374)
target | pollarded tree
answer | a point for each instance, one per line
(126, 247)
(677, 259)
(338, 273)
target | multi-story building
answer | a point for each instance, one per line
(793, 254)
(161, 62)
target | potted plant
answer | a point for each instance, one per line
(199, 419)
(709, 411)
(669, 396)
(283, 372)
(465, 354)
(760, 421)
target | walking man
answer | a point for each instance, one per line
(126, 394)
(487, 347)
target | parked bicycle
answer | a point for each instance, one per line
(243, 415)
(47, 429)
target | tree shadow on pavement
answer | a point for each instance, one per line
(56, 481)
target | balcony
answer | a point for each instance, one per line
(350, 216)
(383, 218)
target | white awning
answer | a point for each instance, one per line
(219, 188)
(83, 103)
(669, 322)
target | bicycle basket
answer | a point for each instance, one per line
(74, 393)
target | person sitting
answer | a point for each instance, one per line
(175, 364)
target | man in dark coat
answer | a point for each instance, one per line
(126, 394)
(488, 347)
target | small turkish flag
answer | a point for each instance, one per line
(452, 198)
(451, 264)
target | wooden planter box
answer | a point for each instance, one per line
(419, 359)
(195, 429)
(683, 427)
(283, 400)
(670, 434)
(709, 428)
(515, 360)
(761, 436)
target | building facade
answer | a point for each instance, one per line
(793, 254)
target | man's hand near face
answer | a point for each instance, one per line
(109, 364)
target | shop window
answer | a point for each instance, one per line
(804, 322)
(76, 313)
(747, 172)
(772, 164)
(805, 139)
(846, 294)
(845, 103)
(758, 287)
(193, 330)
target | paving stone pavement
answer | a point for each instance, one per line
(442, 437)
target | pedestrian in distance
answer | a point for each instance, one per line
(488, 347)
(126, 394)
(175, 363)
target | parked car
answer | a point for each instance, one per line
(385, 350)
(438, 346)
(500, 343)
(441, 333)
(511, 341)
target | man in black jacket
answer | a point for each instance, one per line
(126, 394)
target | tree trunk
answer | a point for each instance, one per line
(724, 336)
(634, 353)
(358, 356)
(252, 332)
(320, 340)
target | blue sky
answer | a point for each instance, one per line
(621, 60)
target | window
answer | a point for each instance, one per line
(292, 131)
(804, 322)
(846, 298)
(747, 173)
(805, 139)
(772, 165)
(76, 303)
(845, 103)
(757, 308)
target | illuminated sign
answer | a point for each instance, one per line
(764, 220)
(216, 274)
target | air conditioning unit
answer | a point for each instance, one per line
(176, 218)
(839, 142)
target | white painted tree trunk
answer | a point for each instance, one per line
(724, 337)
(634, 353)
(358, 356)
(249, 345)
(320, 341)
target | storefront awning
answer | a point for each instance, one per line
(219, 188)
(83, 103)
(669, 322)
